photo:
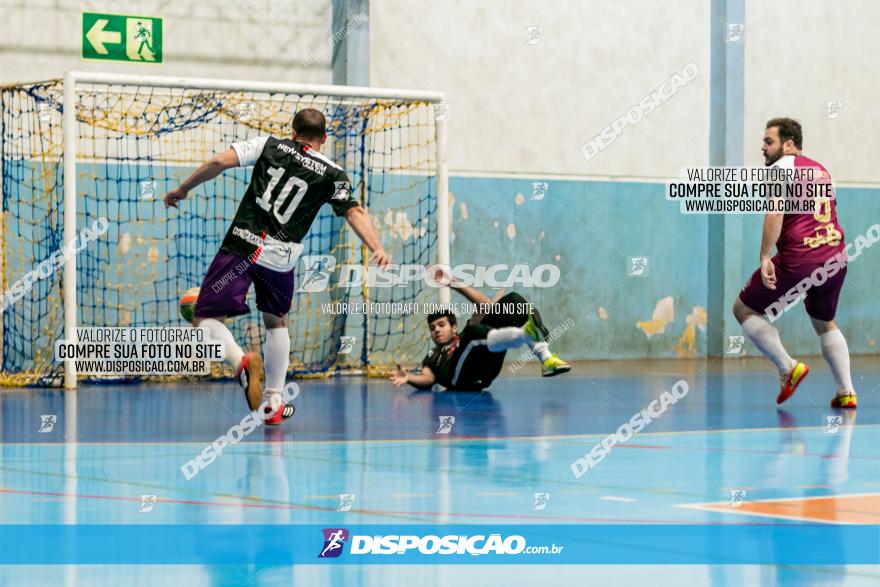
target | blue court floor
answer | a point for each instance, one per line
(723, 454)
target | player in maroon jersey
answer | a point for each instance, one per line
(804, 242)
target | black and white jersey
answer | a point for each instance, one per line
(290, 183)
(441, 360)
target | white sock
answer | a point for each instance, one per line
(836, 352)
(219, 332)
(276, 358)
(509, 337)
(765, 336)
(540, 350)
(501, 339)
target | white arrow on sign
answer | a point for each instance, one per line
(97, 36)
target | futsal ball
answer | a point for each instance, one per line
(188, 303)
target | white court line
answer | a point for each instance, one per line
(704, 507)
(428, 440)
(734, 510)
(769, 499)
(615, 498)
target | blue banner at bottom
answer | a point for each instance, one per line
(655, 544)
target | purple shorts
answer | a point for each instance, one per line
(821, 300)
(224, 289)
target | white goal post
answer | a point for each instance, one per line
(71, 138)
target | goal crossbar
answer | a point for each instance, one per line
(230, 85)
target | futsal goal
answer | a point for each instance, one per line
(92, 146)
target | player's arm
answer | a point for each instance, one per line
(423, 380)
(208, 171)
(478, 298)
(359, 220)
(769, 236)
(240, 154)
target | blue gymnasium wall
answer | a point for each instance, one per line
(594, 226)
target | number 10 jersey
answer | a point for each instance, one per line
(290, 183)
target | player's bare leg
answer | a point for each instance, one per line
(836, 353)
(765, 336)
(276, 354)
(248, 367)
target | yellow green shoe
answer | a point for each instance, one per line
(534, 327)
(791, 380)
(846, 401)
(554, 366)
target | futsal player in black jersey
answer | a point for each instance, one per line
(473, 358)
(291, 180)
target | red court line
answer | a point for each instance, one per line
(176, 501)
(383, 512)
(492, 438)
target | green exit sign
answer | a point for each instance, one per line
(121, 37)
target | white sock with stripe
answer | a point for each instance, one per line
(220, 333)
(502, 339)
(509, 337)
(765, 336)
(836, 352)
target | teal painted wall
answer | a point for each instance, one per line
(589, 229)
(593, 227)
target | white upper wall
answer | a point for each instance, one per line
(519, 108)
(515, 107)
(801, 55)
(246, 39)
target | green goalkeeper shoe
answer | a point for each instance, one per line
(554, 366)
(534, 327)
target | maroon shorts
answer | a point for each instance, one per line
(224, 289)
(820, 302)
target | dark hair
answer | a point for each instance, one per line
(309, 124)
(442, 314)
(789, 129)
